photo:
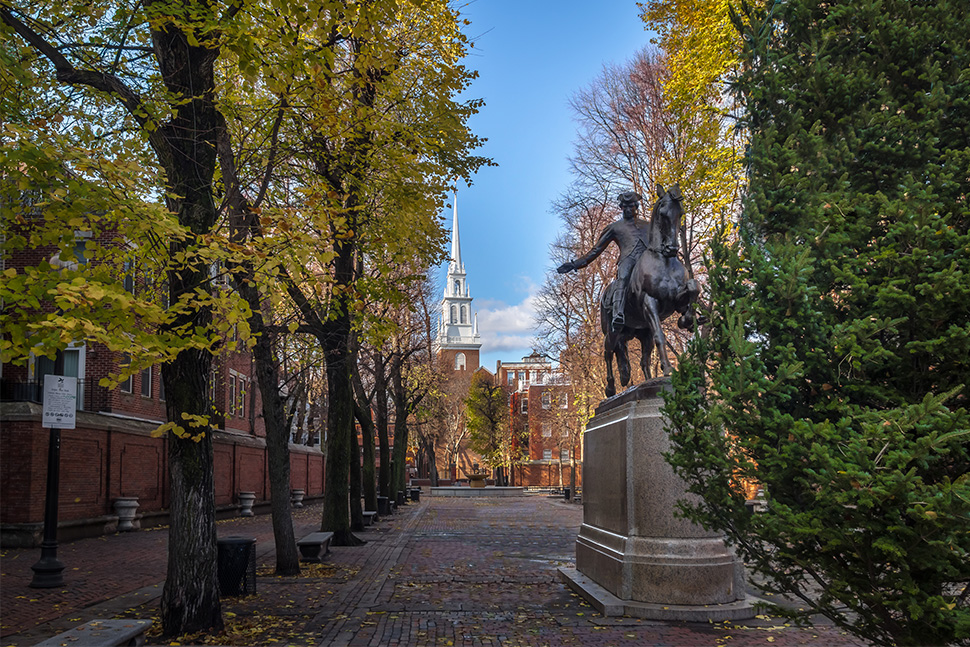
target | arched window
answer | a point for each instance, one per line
(454, 314)
(457, 288)
(460, 362)
(464, 314)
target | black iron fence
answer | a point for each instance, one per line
(90, 396)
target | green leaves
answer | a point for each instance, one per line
(836, 369)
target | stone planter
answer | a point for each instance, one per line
(296, 498)
(246, 501)
(476, 480)
(126, 507)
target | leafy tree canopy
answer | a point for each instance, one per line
(837, 370)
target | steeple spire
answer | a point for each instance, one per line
(458, 338)
(455, 242)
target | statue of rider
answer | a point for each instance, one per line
(631, 235)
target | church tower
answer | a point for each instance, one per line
(458, 339)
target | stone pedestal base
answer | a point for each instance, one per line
(630, 544)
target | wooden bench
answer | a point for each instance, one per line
(102, 633)
(369, 517)
(314, 546)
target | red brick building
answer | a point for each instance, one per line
(112, 452)
(542, 412)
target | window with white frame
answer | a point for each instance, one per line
(563, 401)
(464, 314)
(460, 362)
(241, 398)
(546, 429)
(511, 376)
(546, 400)
(238, 385)
(146, 382)
(454, 314)
(524, 405)
(564, 455)
(547, 454)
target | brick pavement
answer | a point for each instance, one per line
(446, 571)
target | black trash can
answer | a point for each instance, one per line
(236, 565)
(415, 494)
(383, 506)
(401, 498)
(568, 492)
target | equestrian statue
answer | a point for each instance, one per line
(651, 282)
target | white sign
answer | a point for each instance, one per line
(60, 401)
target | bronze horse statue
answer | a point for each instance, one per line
(659, 286)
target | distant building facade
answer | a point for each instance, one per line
(541, 414)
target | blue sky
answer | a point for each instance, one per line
(532, 56)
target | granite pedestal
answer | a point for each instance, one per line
(633, 556)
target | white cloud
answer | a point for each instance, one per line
(498, 317)
(507, 328)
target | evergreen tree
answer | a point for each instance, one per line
(836, 371)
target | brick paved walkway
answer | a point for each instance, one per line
(446, 571)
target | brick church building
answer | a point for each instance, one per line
(552, 445)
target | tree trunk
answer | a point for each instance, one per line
(432, 463)
(368, 470)
(356, 511)
(400, 428)
(380, 410)
(277, 450)
(190, 597)
(335, 340)
(243, 224)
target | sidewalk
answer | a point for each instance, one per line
(445, 571)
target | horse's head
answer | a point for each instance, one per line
(665, 221)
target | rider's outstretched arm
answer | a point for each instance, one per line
(605, 238)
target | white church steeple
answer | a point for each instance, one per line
(458, 327)
(456, 242)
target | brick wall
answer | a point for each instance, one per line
(107, 457)
(546, 474)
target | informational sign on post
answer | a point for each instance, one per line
(60, 401)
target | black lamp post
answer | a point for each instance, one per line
(49, 571)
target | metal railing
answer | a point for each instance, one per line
(90, 397)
